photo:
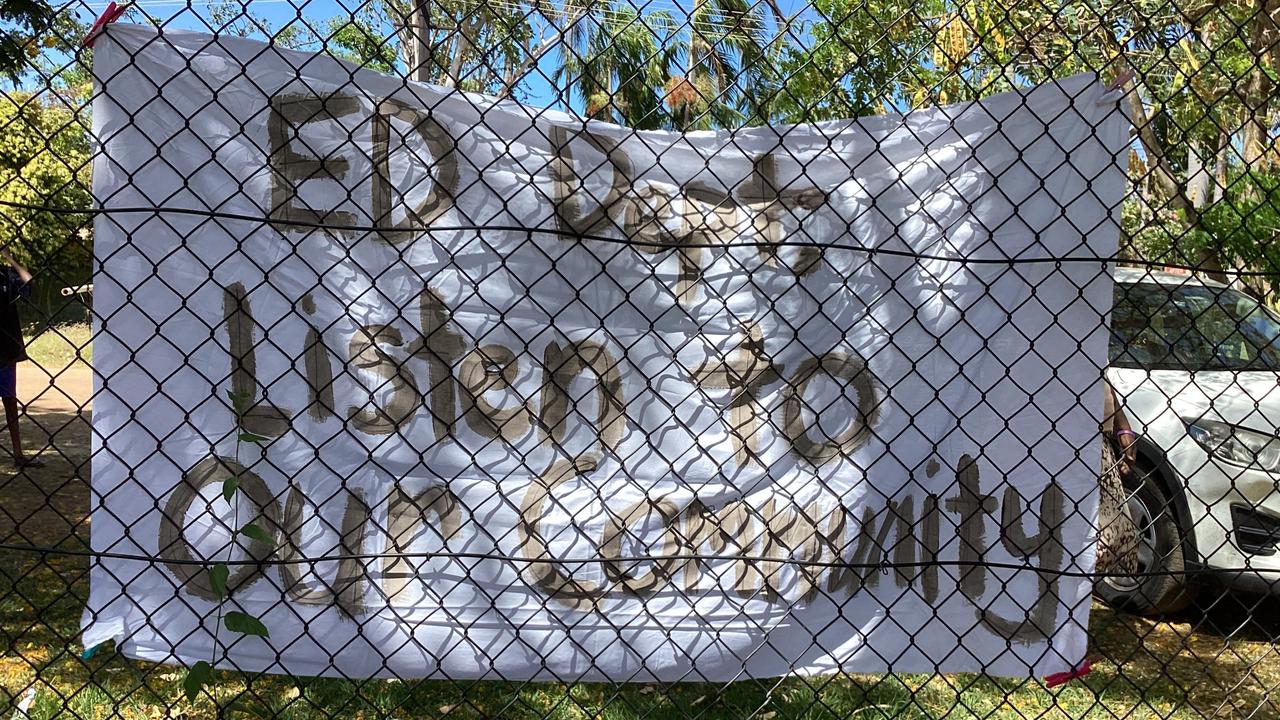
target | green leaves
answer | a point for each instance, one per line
(254, 532)
(239, 401)
(229, 487)
(1268, 70)
(201, 674)
(198, 676)
(44, 175)
(25, 22)
(218, 575)
(244, 624)
(357, 40)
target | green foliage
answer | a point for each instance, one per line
(1241, 230)
(1245, 227)
(198, 676)
(858, 55)
(239, 622)
(218, 575)
(1162, 236)
(254, 532)
(728, 67)
(469, 44)
(229, 487)
(620, 66)
(22, 25)
(358, 41)
(44, 187)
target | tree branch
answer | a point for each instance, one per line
(531, 58)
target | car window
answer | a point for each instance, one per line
(1192, 327)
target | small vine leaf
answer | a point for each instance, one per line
(198, 676)
(247, 436)
(238, 401)
(254, 532)
(229, 487)
(244, 624)
(218, 580)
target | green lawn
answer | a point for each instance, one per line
(59, 346)
(1154, 670)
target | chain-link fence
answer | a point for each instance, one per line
(846, 358)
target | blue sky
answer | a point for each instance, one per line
(188, 14)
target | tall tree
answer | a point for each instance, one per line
(620, 65)
(358, 39)
(725, 62)
(44, 185)
(23, 25)
(1259, 92)
(474, 45)
(854, 60)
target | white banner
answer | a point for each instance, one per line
(506, 374)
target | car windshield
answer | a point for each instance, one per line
(1191, 327)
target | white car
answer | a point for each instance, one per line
(1196, 366)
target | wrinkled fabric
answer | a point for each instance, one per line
(510, 371)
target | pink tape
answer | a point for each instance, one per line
(1061, 678)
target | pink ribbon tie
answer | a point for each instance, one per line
(1056, 679)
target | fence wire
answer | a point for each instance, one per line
(1183, 571)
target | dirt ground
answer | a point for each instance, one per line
(48, 506)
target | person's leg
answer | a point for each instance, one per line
(9, 393)
(11, 419)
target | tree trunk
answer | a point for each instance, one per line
(463, 47)
(1205, 259)
(407, 27)
(1257, 95)
(439, 74)
(420, 31)
(1220, 170)
(1198, 177)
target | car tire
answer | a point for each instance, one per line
(1160, 586)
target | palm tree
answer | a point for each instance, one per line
(727, 64)
(618, 62)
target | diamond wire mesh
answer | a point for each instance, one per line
(1183, 627)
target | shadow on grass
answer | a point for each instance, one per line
(1220, 662)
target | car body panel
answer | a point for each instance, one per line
(1158, 401)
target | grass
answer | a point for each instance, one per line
(60, 346)
(1218, 662)
(1153, 670)
(1168, 677)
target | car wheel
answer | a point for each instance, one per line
(1160, 586)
